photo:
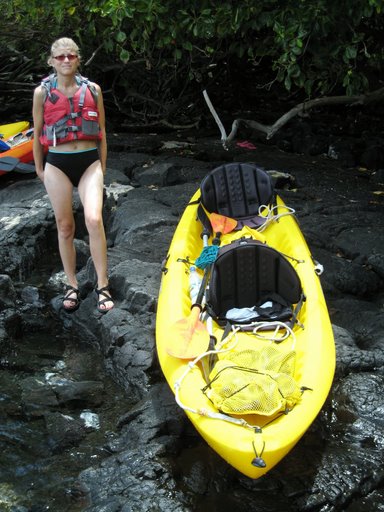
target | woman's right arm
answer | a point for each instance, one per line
(38, 123)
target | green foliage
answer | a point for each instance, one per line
(314, 46)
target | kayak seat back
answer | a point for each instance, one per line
(251, 281)
(236, 190)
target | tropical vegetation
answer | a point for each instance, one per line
(153, 58)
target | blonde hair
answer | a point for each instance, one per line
(64, 42)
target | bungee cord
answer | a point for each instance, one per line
(271, 216)
(205, 412)
(223, 347)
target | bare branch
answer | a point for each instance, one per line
(270, 130)
(93, 55)
(224, 137)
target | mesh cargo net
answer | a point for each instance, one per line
(254, 382)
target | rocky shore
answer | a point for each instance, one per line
(156, 461)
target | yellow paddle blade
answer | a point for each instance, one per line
(222, 224)
(188, 337)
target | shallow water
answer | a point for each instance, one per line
(34, 473)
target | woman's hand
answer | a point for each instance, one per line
(40, 174)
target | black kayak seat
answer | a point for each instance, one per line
(246, 273)
(236, 190)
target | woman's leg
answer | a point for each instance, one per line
(91, 195)
(60, 189)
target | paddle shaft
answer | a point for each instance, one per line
(216, 240)
(203, 285)
(189, 336)
(223, 225)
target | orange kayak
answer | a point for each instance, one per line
(20, 146)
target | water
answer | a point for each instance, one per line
(38, 470)
(34, 471)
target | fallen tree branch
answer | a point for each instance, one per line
(88, 62)
(224, 137)
(270, 130)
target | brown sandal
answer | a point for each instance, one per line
(75, 301)
(107, 298)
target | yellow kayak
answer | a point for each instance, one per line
(8, 130)
(252, 438)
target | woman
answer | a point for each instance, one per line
(69, 118)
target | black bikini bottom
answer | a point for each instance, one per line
(73, 164)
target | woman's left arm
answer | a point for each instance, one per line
(103, 141)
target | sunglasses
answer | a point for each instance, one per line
(69, 56)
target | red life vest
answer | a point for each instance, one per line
(67, 119)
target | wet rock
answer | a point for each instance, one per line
(376, 262)
(63, 430)
(154, 175)
(368, 502)
(353, 452)
(125, 162)
(359, 396)
(195, 477)
(184, 170)
(156, 416)
(129, 347)
(339, 478)
(7, 292)
(30, 295)
(361, 240)
(114, 191)
(116, 176)
(23, 233)
(357, 280)
(145, 483)
(351, 358)
(37, 397)
(364, 325)
(282, 180)
(129, 220)
(3, 338)
(66, 391)
(12, 322)
(82, 253)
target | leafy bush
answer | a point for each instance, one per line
(155, 55)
